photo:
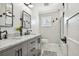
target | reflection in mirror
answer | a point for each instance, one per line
(26, 20)
(6, 15)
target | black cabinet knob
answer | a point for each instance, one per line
(39, 40)
(0, 15)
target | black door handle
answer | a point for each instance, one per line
(64, 39)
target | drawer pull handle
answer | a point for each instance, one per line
(34, 55)
(39, 40)
(32, 42)
(32, 49)
(20, 52)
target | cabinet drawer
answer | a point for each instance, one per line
(32, 51)
(32, 42)
(35, 52)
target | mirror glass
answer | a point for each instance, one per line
(6, 14)
(26, 19)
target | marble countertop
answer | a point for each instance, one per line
(12, 41)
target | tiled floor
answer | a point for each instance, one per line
(53, 47)
(49, 53)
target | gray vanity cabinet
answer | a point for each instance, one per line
(24, 49)
(30, 47)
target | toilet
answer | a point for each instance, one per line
(43, 44)
(44, 41)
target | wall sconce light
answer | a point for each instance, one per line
(30, 5)
(53, 21)
(56, 18)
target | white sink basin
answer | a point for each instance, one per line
(31, 34)
(15, 38)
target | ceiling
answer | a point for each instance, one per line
(47, 7)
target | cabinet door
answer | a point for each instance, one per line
(13, 51)
(18, 50)
(24, 49)
(38, 46)
(9, 52)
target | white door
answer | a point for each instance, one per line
(73, 35)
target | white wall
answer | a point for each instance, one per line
(17, 11)
(51, 33)
(35, 20)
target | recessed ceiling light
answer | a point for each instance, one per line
(46, 4)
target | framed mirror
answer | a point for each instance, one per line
(26, 20)
(6, 15)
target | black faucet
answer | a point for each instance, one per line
(5, 36)
(0, 33)
(28, 32)
(21, 31)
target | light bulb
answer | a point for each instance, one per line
(30, 5)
